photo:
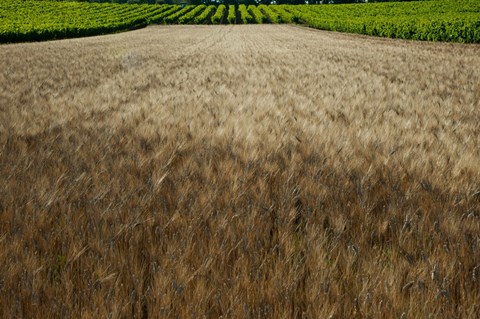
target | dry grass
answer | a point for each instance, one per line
(239, 171)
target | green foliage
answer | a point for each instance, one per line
(283, 14)
(190, 15)
(30, 20)
(442, 20)
(245, 17)
(257, 15)
(173, 18)
(203, 17)
(231, 14)
(217, 17)
(161, 15)
(445, 20)
(269, 13)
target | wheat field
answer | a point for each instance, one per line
(239, 172)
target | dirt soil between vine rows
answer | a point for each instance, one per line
(239, 171)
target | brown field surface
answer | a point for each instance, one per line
(239, 172)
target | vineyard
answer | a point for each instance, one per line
(32, 20)
(444, 20)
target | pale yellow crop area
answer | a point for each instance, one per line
(263, 171)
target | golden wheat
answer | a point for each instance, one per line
(239, 171)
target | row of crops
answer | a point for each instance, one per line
(441, 20)
(33, 20)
